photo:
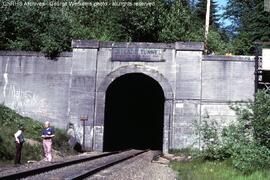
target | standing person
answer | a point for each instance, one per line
(19, 140)
(47, 135)
(72, 138)
(71, 135)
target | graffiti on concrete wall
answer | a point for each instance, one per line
(26, 100)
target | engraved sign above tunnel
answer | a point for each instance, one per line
(137, 54)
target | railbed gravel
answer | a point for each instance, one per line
(72, 170)
(8, 169)
(138, 168)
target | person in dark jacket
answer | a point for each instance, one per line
(19, 140)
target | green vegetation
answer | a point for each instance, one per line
(214, 170)
(245, 142)
(50, 28)
(10, 121)
(238, 151)
(250, 23)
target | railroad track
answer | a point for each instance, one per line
(75, 169)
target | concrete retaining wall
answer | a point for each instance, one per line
(196, 87)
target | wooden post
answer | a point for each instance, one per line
(83, 119)
(207, 19)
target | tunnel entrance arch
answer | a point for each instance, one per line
(98, 131)
(134, 112)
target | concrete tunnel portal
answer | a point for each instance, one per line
(134, 113)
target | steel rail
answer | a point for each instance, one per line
(94, 170)
(39, 170)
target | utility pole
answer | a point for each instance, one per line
(207, 19)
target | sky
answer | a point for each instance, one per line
(222, 3)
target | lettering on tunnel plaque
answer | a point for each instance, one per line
(137, 54)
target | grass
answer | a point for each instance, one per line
(214, 170)
(10, 121)
(185, 152)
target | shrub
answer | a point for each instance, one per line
(31, 152)
(60, 141)
(249, 157)
(211, 141)
(10, 120)
(260, 118)
(246, 142)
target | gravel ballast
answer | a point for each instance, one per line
(138, 168)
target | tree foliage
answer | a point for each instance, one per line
(50, 29)
(250, 23)
(38, 28)
(201, 12)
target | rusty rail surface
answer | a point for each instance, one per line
(94, 170)
(39, 170)
(120, 156)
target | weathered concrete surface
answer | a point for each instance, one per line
(227, 80)
(35, 86)
(196, 87)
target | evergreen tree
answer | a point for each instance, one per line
(50, 28)
(100, 23)
(179, 24)
(250, 22)
(35, 28)
(200, 12)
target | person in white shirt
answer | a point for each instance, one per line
(19, 140)
(72, 141)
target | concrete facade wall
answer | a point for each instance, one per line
(35, 86)
(225, 81)
(196, 87)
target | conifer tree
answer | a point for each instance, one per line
(250, 22)
(200, 12)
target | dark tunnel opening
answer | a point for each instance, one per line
(134, 113)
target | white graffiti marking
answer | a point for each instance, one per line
(5, 75)
(27, 100)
